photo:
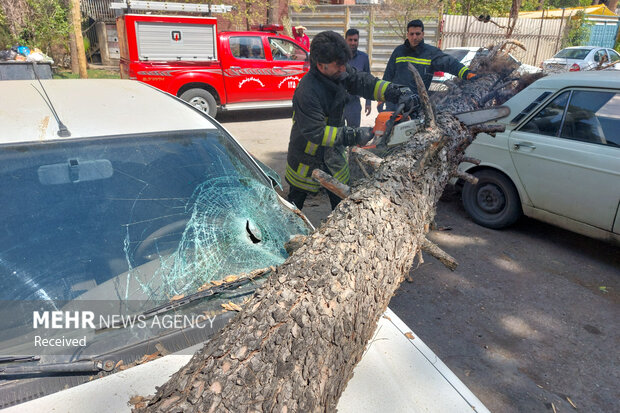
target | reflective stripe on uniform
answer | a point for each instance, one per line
(329, 136)
(311, 148)
(418, 61)
(343, 174)
(463, 69)
(379, 92)
(300, 180)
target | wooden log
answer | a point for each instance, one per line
(331, 184)
(367, 156)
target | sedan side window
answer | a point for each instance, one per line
(600, 56)
(615, 57)
(549, 119)
(593, 116)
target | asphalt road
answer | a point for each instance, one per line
(527, 321)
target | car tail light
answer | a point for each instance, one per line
(574, 68)
(439, 74)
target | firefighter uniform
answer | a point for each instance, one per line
(318, 124)
(426, 59)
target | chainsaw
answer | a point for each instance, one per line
(395, 128)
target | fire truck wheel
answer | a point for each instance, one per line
(201, 99)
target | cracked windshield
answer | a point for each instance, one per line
(135, 218)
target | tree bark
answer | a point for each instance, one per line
(79, 40)
(294, 346)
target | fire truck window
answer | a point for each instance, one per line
(247, 47)
(285, 50)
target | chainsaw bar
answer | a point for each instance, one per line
(475, 117)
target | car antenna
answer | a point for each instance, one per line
(63, 132)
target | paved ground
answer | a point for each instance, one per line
(529, 318)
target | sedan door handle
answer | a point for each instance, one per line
(519, 145)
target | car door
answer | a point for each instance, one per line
(600, 58)
(567, 156)
(289, 64)
(246, 71)
(614, 58)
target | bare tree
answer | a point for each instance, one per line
(397, 13)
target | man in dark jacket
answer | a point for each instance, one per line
(318, 136)
(359, 60)
(425, 58)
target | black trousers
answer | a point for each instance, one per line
(298, 197)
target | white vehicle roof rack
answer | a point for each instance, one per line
(166, 6)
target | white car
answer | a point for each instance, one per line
(121, 203)
(558, 160)
(578, 58)
(466, 55)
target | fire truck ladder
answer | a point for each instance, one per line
(129, 5)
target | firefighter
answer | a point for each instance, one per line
(318, 136)
(425, 58)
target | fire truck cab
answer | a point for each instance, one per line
(187, 57)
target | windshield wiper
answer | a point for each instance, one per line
(174, 304)
(82, 366)
(9, 359)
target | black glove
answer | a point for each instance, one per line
(357, 136)
(409, 99)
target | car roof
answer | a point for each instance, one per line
(584, 47)
(471, 49)
(592, 78)
(89, 108)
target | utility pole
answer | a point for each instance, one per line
(79, 40)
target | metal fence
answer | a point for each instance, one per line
(98, 10)
(377, 37)
(541, 37)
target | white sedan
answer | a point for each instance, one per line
(466, 55)
(558, 160)
(120, 203)
(578, 58)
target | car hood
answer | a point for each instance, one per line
(398, 372)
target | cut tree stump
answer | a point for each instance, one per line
(294, 346)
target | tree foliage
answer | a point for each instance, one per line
(36, 23)
(501, 8)
(578, 30)
(5, 34)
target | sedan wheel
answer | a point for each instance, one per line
(493, 202)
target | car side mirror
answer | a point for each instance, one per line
(273, 175)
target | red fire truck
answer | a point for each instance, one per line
(187, 57)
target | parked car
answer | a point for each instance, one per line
(126, 204)
(577, 58)
(558, 160)
(466, 55)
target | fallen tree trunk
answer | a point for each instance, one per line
(294, 346)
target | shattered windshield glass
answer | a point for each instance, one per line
(145, 217)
